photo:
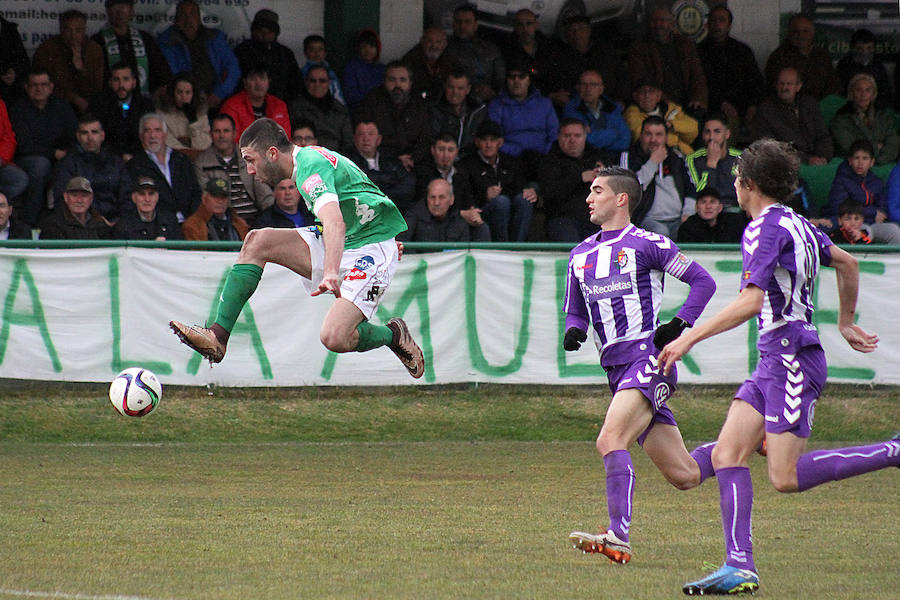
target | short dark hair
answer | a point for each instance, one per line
(850, 207)
(466, 8)
(37, 71)
(70, 14)
(224, 117)
(576, 20)
(311, 39)
(366, 122)
(122, 65)
(715, 116)
(861, 144)
(444, 136)
(772, 166)
(565, 122)
(653, 120)
(87, 117)
(303, 123)
(727, 11)
(257, 67)
(623, 181)
(862, 35)
(263, 134)
(709, 192)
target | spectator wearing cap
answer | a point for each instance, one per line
(91, 158)
(288, 211)
(710, 224)
(255, 102)
(649, 100)
(122, 42)
(215, 220)
(363, 72)
(189, 46)
(497, 181)
(76, 218)
(526, 118)
(10, 227)
(285, 78)
(179, 191)
(143, 220)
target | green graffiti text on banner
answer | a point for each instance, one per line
(475, 353)
(35, 318)
(246, 325)
(564, 369)
(416, 291)
(119, 363)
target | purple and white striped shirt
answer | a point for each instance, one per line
(615, 285)
(782, 253)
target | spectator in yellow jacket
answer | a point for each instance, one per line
(648, 99)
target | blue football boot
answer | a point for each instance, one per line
(726, 581)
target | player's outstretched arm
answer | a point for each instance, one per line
(846, 269)
(746, 306)
(333, 230)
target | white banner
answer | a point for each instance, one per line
(480, 316)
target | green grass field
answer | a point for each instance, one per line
(451, 492)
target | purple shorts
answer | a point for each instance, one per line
(784, 389)
(645, 376)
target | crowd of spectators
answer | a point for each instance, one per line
(121, 134)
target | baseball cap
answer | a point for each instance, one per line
(489, 129)
(146, 182)
(266, 18)
(79, 184)
(217, 187)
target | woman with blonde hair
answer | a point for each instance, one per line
(859, 119)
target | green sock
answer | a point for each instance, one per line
(373, 336)
(239, 286)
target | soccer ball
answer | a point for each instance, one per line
(135, 392)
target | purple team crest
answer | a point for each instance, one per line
(621, 259)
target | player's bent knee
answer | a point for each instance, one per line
(783, 481)
(334, 341)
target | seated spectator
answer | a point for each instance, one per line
(89, 157)
(498, 182)
(854, 180)
(428, 65)
(173, 172)
(433, 219)
(254, 102)
(861, 119)
(381, 166)
(189, 46)
(893, 194)
(142, 220)
(710, 224)
(316, 104)
(790, 116)
(681, 128)
(248, 195)
(402, 118)
(214, 220)
(527, 42)
(672, 60)
(45, 129)
(75, 63)
(667, 197)
(526, 118)
(457, 111)
(11, 228)
(14, 61)
(863, 59)
(13, 180)
(736, 85)
(315, 53)
(285, 77)
(851, 227)
(304, 133)
(184, 110)
(288, 211)
(75, 218)
(442, 165)
(479, 57)
(565, 176)
(120, 107)
(122, 42)
(812, 63)
(363, 72)
(712, 166)
(607, 129)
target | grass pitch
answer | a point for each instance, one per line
(400, 493)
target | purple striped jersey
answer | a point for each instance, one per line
(615, 286)
(782, 253)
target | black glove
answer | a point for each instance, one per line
(574, 338)
(668, 332)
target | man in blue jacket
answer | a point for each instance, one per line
(607, 129)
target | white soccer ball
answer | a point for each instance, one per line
(135, 392)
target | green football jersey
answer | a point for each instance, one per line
(322, 175)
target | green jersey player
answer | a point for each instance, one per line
(351, 253)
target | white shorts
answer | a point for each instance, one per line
(366, 271)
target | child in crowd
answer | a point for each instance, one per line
(851, 229)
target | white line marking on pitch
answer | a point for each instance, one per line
(65, 596)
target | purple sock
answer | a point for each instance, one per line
(619, 491)
(736, 502)
(821, 466)
(703, 456)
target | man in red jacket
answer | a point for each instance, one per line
(254, 102)
(13, 180)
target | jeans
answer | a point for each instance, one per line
(666, 228)
(508, 218)
(38, 169)
(13, 181)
